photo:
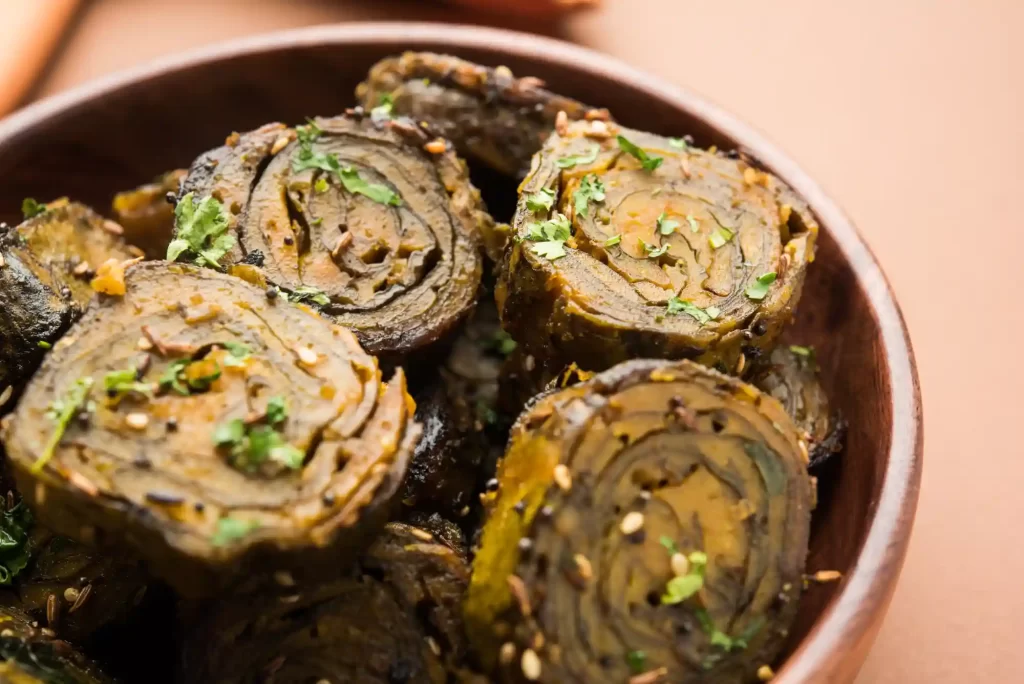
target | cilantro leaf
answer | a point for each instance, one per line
(801, 351)
(666, 226)
(591, 189)
(669, 545)
(61, 412)
(677, 143)
(759, 288)
(652, 251)
(321, 185)
(309, 133)
(647, 161)
(15, 545)
(637, 661)
(502, 343)
(720, 236)
(121, 382)
(613, 240)
(277, 410)
(685, 306)
(30, 208)
(312, 294)
(694, 226)
(549, 249)
(232, 529)
(229, 434)
(682, 587)
(201, 229)
(542, 200)
(572, 160)
(355, 184)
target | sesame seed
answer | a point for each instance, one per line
(422, 535)
(632, 523)
(765, 673)
(680, 565)
(507, 653)
(434, 646)
(826, 576)
(284, 578)
(518, 589)
(5, 396)
(598, 129)
(529, 363)
(562, 123)
(804, 452)
(82, 269)
(583, 566)
(143, 344)
(137, 421)
(46, 632)
(741, 364)
(503, 71)
(307, 357)
(112, 227)
(51, 609)
(280, 144)
(83, 596)
(7, 633)
(71, 594)
(649, 677)
(563, 478)
(531, 664)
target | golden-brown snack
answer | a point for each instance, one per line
(374, 223)
(491, 116)
(628, 244)
(651, 520)
(396, 620)
(46, 266)
(213, 429)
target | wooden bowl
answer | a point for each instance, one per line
(125, 129)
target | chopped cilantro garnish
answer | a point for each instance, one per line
(572, 160)
(637, 661)
(181, 380)
(121, 382)
(201, 229)
(15, 547)
(669, 545)
(801, 351)
(550, 236)
(305, 293)
(720, 235)
(591, 189)
(759, 288)
(683, 587)
(232, 529)
(694, 226)
(677, 143)
(542, 200)
(43, 344)
(31, 208)
(251, 445)
(61, 412)
(652, 251)
(321, 184)
(666, 226)
(277, 410)
(613, 240)
(355, 184)
(649, 162)
(678, 306)
(306, 158)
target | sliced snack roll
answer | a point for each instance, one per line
(213, 429)
(652, 523)
(628, 244)
(374, 223)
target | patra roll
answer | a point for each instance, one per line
(211, 427)
(491, 116)
(373, 222)
(47, 265)
(652, 520)
(397, 619)
(628, 244)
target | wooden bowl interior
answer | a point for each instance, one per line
(129, 135)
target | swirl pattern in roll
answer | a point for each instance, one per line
(397, 620)
(375, 223)
(491, 116)
(651, 521)
(629, 244)
(212, 428)
(790, 375)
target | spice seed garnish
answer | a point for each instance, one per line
(83, 596)
(51, 610)
(586, 570)
(507, 653)
(530, 660)
(765, 673)
(680, 565)
(422, 535)
(632, 523)
(826, 576)
(649, 677)
(563, 478)
(71, 594)
(518, 589)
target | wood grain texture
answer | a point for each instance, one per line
(84, 139)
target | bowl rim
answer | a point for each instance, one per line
(846, 628)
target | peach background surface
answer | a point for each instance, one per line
(911, 113)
